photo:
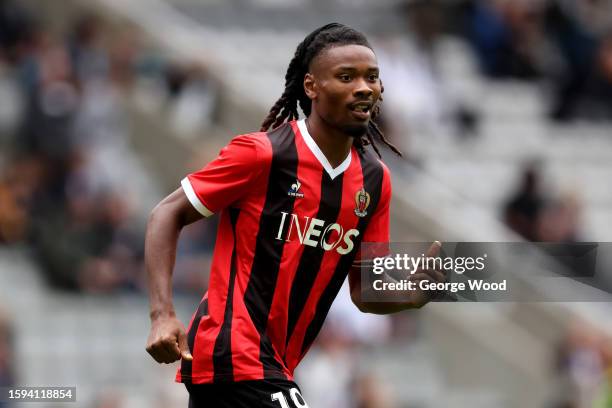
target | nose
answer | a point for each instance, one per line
(362, 89)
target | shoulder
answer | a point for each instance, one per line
(260, 147)
(384, 168)
(253, 147)
(372, 165)
(386, 181)
(386, 172)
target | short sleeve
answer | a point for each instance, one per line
(226, 179)
(376, 236)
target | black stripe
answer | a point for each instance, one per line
(372, 181)
(186, 366)
(268, 250)
(310, 262)
(222, 351)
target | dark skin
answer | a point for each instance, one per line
(339, 78)
(167, 340)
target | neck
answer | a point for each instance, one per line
(335, 144)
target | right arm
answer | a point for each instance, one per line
(167, 340)
(216, 186)
(397, 300)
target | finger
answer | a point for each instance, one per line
(171, 347)
(440, 276)
(159, 353)
(434, 249)
(184, 347)
(419, 276)
(435, 275)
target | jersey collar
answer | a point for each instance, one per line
(314, 148)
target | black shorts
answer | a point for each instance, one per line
(270, 393)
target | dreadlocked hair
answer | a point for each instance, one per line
(286, 107)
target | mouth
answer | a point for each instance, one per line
(361, 110)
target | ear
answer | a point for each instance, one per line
(310, 86)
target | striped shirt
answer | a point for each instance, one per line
(290, 230)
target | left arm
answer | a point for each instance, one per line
(378, 232)
(404, 299)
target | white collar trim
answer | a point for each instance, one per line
(314, 148)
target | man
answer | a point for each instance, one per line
(296, 202)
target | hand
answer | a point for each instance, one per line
(167, 340)
(422, 297)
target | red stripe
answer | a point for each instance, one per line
(245, 338)
(353, 181)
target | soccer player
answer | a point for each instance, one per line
(296, 200)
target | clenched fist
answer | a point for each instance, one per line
(167, 341)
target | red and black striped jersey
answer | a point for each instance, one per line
(290, 229)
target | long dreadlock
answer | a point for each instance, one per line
(286, 108)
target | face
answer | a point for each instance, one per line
(344, 87)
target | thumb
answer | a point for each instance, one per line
(434, 249)
(184, 347)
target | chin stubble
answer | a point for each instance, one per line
(355, 130)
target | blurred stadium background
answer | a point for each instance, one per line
(502, 108)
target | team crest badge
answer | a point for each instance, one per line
(362, 201)
(294, 191)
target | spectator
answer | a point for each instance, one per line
(559, 220)
(15, 26)
(72, 150)
(577, 48)
(506, 36)
(88, 56)
(524, 207)
(369, 392)
(580, 364)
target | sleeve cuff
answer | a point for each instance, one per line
(193, 198)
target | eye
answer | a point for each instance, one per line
(373, 77)
(344, 77)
